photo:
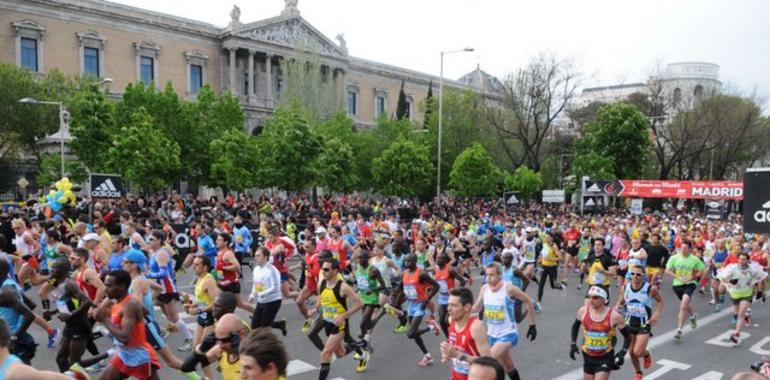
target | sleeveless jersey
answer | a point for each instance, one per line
(367, 286)
(332, 303)
(638, 303)
(11, 316)
(167, 282)
(528, 250)
(510, 277)
(146, 299)
(226, 277)
(338, 251)
(597, 336)
(84, 286)
(382, 266)
(201, 297)
(414, 290)
(498, 312)
(137, 351)
(229, 371)
(463, 343)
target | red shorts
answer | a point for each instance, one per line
(141, 372)
(312, 284)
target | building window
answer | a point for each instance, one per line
(409, 102)
(91, 61)
(196, 78)
(245, 83)
(147, 70)
(29, 54)
(698, 93)
(280, 88)
(379, 106)
(352, 95)
(677, 95)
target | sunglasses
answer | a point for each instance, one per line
(326, 269)
(225, 340)
(637, 274)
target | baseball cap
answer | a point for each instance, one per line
(320, 230)
(91, 237)
(597, 291)
(136, 257)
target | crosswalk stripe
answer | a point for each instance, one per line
(296, 367)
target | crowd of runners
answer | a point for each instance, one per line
(101, 269)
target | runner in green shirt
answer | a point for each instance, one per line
(686, 269)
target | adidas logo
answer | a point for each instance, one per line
(763, 215)
(593, 189)
(106, 190)
(766, 205)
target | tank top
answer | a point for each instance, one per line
(549, 256)
(332, 303)
(463, 343)
(226, 277)
(52, 252)
(203, 298)
(116, 260)
(229, 371)
(444, 279)
(10, 315)
(422, 259)
(137, 351)
(510, 277)
(528, 250)
(21, 245)
(634, 260)
(84, 286)
(149, 308)
(10, 359)
(338, 251)
(367, 286)
(638, 303)
(382, 266)
(498, 312)
(414, 290)
(167, 282)
(597, 336)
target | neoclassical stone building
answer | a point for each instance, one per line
(128, 44)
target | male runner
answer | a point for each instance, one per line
(685, 268)
(512, 275)
(657, 256)
(123, 316)
(206, 291)
(739, 281)
(263, 356)
(280, 251)
(12, 367)
(332, 303)
(445, 276)
(467, 334)
(636, 298)
(312, 269)
(229, 331)
(369, 283)
(414, 286)
(228, 268)
(497, 298)
(17, 315)
(598, 322)
(600, 267)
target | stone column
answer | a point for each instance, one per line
(269, 80)
(233, 87)
(252, 80)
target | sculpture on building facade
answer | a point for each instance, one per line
(291, 8)
(235, 16)
(343, 44)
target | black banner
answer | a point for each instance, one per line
(715, 209)
(609, 188)
(106, 186)
(182, 238)
(756, 201)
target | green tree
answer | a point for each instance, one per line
(92, 126)
(211, 117)
(619, 133)
(595, 166)
(402, 107)
(234, 155)
(404, 169)
(287, 145)
(524, 180)
(50, 170)
(428, 105)
(474, 173)
(143, 154)
(371, 143)
(334, 168)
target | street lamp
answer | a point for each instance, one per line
(63, 118)
(440, 109)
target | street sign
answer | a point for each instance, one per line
(22, 182)
(637, 206)
(553, 196)
(756, 201)
(512, 200)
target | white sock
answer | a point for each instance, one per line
(183, 327)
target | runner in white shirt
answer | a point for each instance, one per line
(266, 291)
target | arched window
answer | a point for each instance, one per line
(698, 93)
(677, 95)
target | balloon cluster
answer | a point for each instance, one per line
(61, 195)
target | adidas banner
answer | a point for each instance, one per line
(756, 201)
(108, 186)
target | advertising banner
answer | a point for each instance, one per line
(756, 204)
(553, 196)
(108, 186)
(719, 190)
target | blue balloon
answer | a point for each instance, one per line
(55, 206)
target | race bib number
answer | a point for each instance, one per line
(239, 239)
(259, 287)
(597, 341)
(636, 310)
(597, 278)
(623, 264)
(442, 286)
(410, 291)
(494, 314)
(460, 366)
(363, 283)
(328, 313)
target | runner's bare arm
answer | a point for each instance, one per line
(92, 278)
(515, 292)
(479, 299)
(20, 371)
(479, 334)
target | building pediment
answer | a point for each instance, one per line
(292, 32)
(28, 24)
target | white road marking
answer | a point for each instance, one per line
(657, 341)
(666, 367)
(296, 367)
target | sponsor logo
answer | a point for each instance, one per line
(106, 190)
(610, 188)
(763, 215)
(717, 192)
(593, 189)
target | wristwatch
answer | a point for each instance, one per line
(463, 358)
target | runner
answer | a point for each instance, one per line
(17, 315)
(717, 263)
(739, 281)
(202, 306)
(205, 244)
(599, 323)
(636, 298)
(312, 269)
(369, 282)
(123, 316)
(263, 356)
(119, 249)
(162, 271)
(486, 368)
(685, 268)
(332, 302)
(512, 275)
(657, 257)
(550, 255)
(142, 289)
(467, 334)
(418, 288)
(281, 250)
(243, 240)
(496, 297)
(12, 367)
(600, 268)
(445, 276)
(229, 331)
(267, 292)
(529, 249)
(228, 268)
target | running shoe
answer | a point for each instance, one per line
(678, 335)
(579, 287)
(694, 321)
(186, 346)
(735, 338)
(400, 329)
(363, 362)
(713, 302)
(368, 343)
(282, 326)
(647, 363)
(433, 326)
(426, 361)
(77, 372)
(538, 308)
(564, 283)
(53, 336)
(718, 307)
(306, 326)
(702, 291)
(98, 366)
(747, 319)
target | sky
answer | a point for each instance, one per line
(613, 41)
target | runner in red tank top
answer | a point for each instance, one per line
(339, 247)
(467, 334)
(414, 286)
(281, 250)
(123, 317)
(312, 269)
(87, 279)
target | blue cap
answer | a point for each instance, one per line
(57, 218)
(135, 256)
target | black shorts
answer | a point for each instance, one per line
(24, 348)
(638, 329)
(595, 364)
(76, 333)
(385, 291)
(233, 287)
(330, 328)
(681, 290)
(168, 297)
(737, 301)
(205, 319)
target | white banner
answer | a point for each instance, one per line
(553, 196)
